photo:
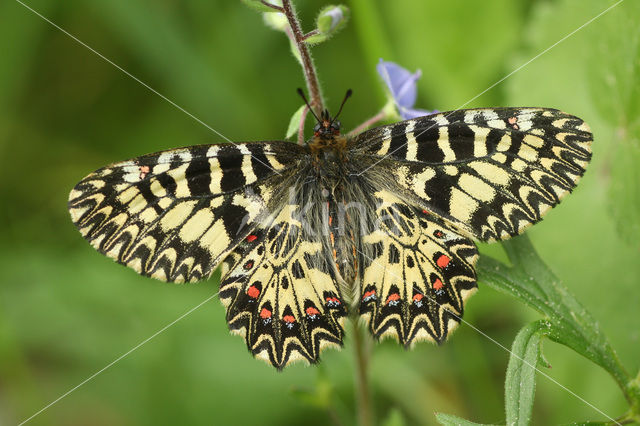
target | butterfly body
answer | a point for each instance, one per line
(379, 225)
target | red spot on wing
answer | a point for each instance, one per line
(443, 261)
(253, 292)
(393, 297)
(437, 285)
(332, 301)
(290, 319)
(438, 234)
(248, 265)
(369, 295)
(425, 212)
(312, 311)
(252, 238)
(418, 297)
(265, 313)
(144, 170)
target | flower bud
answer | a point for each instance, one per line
(331, 19)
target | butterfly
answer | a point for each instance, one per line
(380, 225)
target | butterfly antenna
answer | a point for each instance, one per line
(304, 98)
(346, 96)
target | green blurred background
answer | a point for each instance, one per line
(66, 311)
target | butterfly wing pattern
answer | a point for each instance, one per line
(418, 275)
(279, 294)
(432, 186)
(490, 173)
(174, 215)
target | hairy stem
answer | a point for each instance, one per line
(307, 63)
(272, 6)
(363, 394)
(311, 34)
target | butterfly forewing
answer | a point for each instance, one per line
(173, 215)
(491, 173)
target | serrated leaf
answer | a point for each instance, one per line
(451, 420)
(520, 382)
(294, 122)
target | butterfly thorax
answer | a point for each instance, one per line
(327, 137)
(328, 145)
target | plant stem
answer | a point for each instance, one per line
(305, 111)
(370, 122)
(307, 63)
(273, 6)
(363, 394)
(311, 34)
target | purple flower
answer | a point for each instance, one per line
(402, 85)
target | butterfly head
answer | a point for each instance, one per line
(327, 128)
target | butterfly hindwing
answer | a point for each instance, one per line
(417, 274)
(173, 215)
(279, 292)
(491, 173)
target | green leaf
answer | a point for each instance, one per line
(450, 420)
(294, 123)
(531, 281)
(520, 383)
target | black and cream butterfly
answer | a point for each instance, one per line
(379, 225)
